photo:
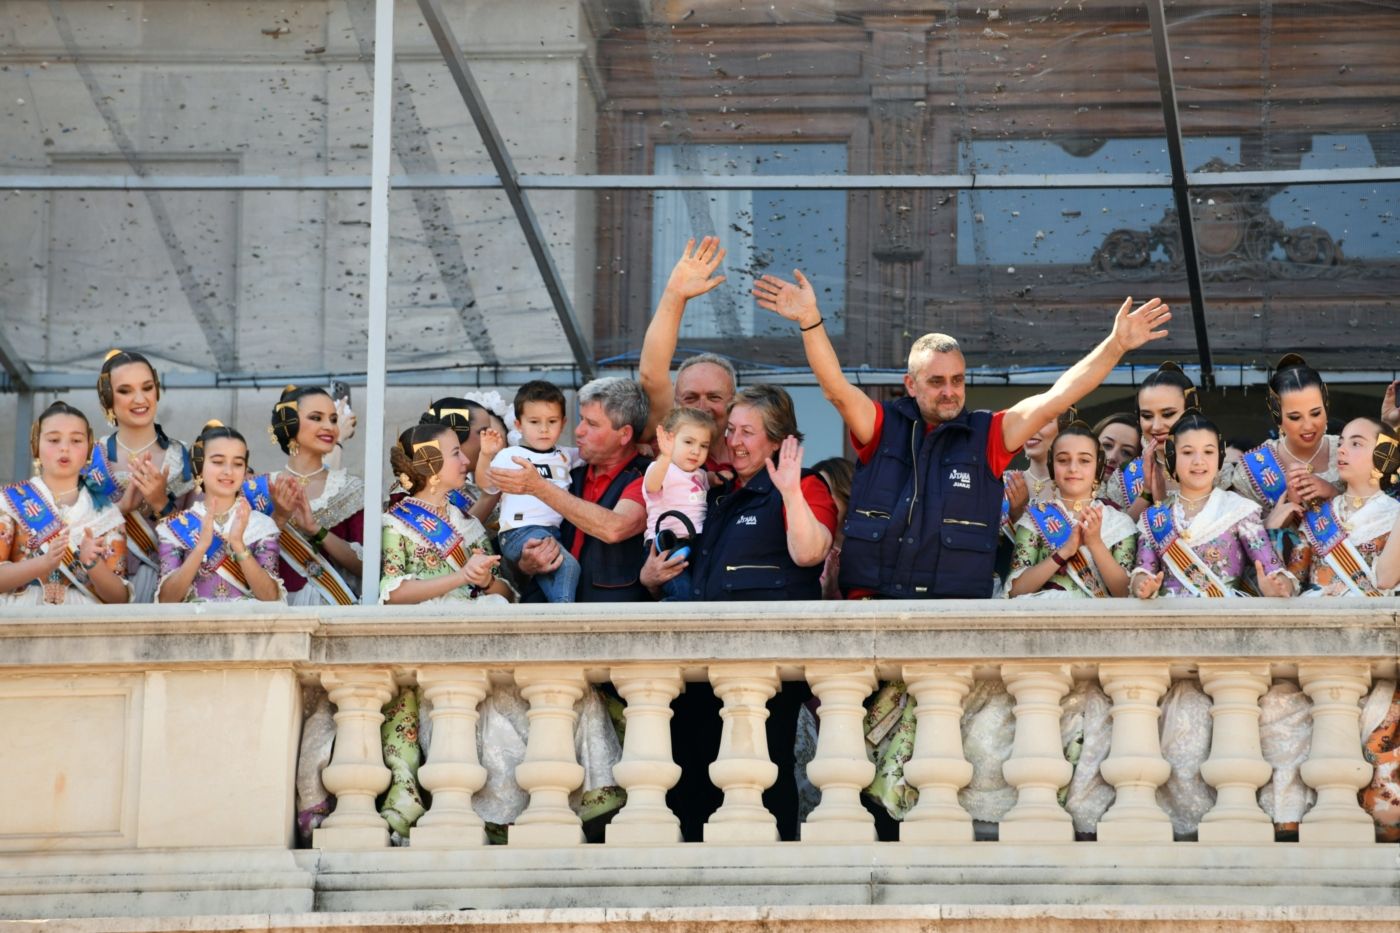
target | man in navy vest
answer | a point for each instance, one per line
(604, 515)
(925, 505)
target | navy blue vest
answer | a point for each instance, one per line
(924, 511)
(609, 573)
(743, 552)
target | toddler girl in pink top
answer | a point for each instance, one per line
(675, 489)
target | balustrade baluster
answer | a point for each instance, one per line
(453, 773)
(1135, 766)
(743, 769)
(647, 770)
(357, 773)
(841, 768)
(550, 770)
(938, 767)
(1236, 767)
(1037, 767)
(1335, 767)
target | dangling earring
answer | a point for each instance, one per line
(38, 467)
(199, 483)
(110, 415)
(433, 482)
(293, 447)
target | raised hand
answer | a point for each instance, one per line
(1133, 328)
(1018, 494)
(796, 302)
(1091, 525)
(1145, 586)
(1272, 584)
(88, 551)
(492, 443)
(241, 511)
(477, 570)
(286, 496)
(694, 273)
(1390, 408)
(1286, 512)
(1154, 476)
(787, 478)
(151, 481)
(665, 442)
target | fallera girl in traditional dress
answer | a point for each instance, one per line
(60, 544)
(320, 510)
(1302, 463)
(220, 549)
(1203, 540)
(432, 551)
(1162, 398)
(1073, 545)
(1342, 536)
(141, 469)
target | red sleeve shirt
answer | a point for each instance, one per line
(998, 457)
(819, 500)
(594, 485)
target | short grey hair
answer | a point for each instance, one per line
(713, 358)
(622, 399)
(929, 344)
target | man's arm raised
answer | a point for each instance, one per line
(798, 303)
(1131, 329)
(693, 276)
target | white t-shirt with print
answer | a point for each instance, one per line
(554, 465)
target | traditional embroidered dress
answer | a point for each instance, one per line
(1124, 485)
(31, 521)
(1339, 546)
(1046, 527)
(339, 507)
(142, 562)
(419, 545)
(218, 579)
(1259, 475)
(1210, 554)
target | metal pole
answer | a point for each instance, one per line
(378, 328)
(24, 420)
(495, 146)
(1180, 192)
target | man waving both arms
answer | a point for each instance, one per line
(926, 501)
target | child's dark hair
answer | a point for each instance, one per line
(537, 390)
(59, 407)
(839, 473)
(213, 431)
(681, 415)
(286, 414)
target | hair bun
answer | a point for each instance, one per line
(111, 353)
(213, 423)
(1290, 361)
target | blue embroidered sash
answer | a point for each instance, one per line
(258, 493)
(460, 499)
(186, 526)
(1328, 537)
(33, 510)
(1266, 477)
(434, 531)
(1130, 480)
(1057, 528)
(140, 536)
(100, 474)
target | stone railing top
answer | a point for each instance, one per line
(980, 631)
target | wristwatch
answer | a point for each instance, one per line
(1059, 561)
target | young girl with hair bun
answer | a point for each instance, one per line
(59, 543)
(220, 549)
(432, 551)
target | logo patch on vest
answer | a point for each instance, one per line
(746, 520)
(961, 479)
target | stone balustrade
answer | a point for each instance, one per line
(158, 746)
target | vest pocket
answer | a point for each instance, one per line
(866, 524)
(967, 535)
(744, 577)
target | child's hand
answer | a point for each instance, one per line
(1145, 586)
(665, 442)
(88, 552)
(491, 443)
(477, 570)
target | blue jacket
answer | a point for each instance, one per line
(743, 553)
(924, 511)
(609, 573)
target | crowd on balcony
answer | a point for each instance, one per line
(697, 490)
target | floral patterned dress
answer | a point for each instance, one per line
(57, 590)
(1227, 536)
(339, 507)
(1239, 479)
(1368, 529)
(407, 556)
(1119, 536)
(211, 586)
